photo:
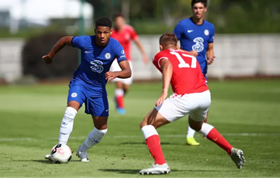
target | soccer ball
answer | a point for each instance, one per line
(61, 153)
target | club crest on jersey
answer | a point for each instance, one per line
(122, 52)
(107, 56)
(206, 32)
(74, 94)
(127, 37)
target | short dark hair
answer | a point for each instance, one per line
(204, 2)
(103, 21)
(168, 38)
(116, 15)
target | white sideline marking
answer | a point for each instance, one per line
(14, 139)
(138, 136)
(224, 134)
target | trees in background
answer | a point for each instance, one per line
(229, 16)
(153, 17)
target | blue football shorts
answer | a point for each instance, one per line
(96, 104)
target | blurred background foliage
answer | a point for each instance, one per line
(228, 16)
(158, 16)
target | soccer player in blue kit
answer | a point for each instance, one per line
(88, 84)
(196, 36)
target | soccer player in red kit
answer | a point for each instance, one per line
(196, 35)
(124, 33)
(191, 97)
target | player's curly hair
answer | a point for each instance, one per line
(103, 21)
(168, 38)
(204, 2)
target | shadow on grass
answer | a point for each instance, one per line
(136, 171)
(140, 143)
(50, 162)
(42, 161)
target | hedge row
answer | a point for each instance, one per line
(64, 63)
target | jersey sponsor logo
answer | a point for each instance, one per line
(97, 66)
(206, 32)
(87, 51)
(198, 46)
(189, 31)
(107, 56)
(74, 94)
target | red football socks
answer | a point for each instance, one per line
(119, 93)
(153, 143)
(120, 102)
(212, 134)
(218, 139)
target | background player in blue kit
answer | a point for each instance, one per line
(89, 80)
(196, 36)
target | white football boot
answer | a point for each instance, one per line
(48, 157)
(238, 157)
(156, 169)
(82, 155)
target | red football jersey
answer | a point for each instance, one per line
(124, 37)
(186, 75)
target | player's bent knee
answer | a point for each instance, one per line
(101, 127)
(195, 125)
(74, 104)
(100, 123)
(70, 113)
(102, 132)
(143, 124)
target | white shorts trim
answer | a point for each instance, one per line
(178, 106)
(115, 67)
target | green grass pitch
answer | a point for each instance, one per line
(247, 113)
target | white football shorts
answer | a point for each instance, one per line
(196, 105)
(115, 67)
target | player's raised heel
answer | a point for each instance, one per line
(191, 141)
(156, 169)
(82, 155)
(121, 111)
(238, 157)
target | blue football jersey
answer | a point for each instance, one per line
(195, 37)
(96, 61)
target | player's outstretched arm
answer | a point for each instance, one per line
(124, 73)
(66, 40)
(141, 49)
(167, 68)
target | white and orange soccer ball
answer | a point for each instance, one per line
(61, 153)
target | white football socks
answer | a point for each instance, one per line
(94, 137)
(191, 132)
(119, 92)
(149, 130)
(66, 126)
(205, 129)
